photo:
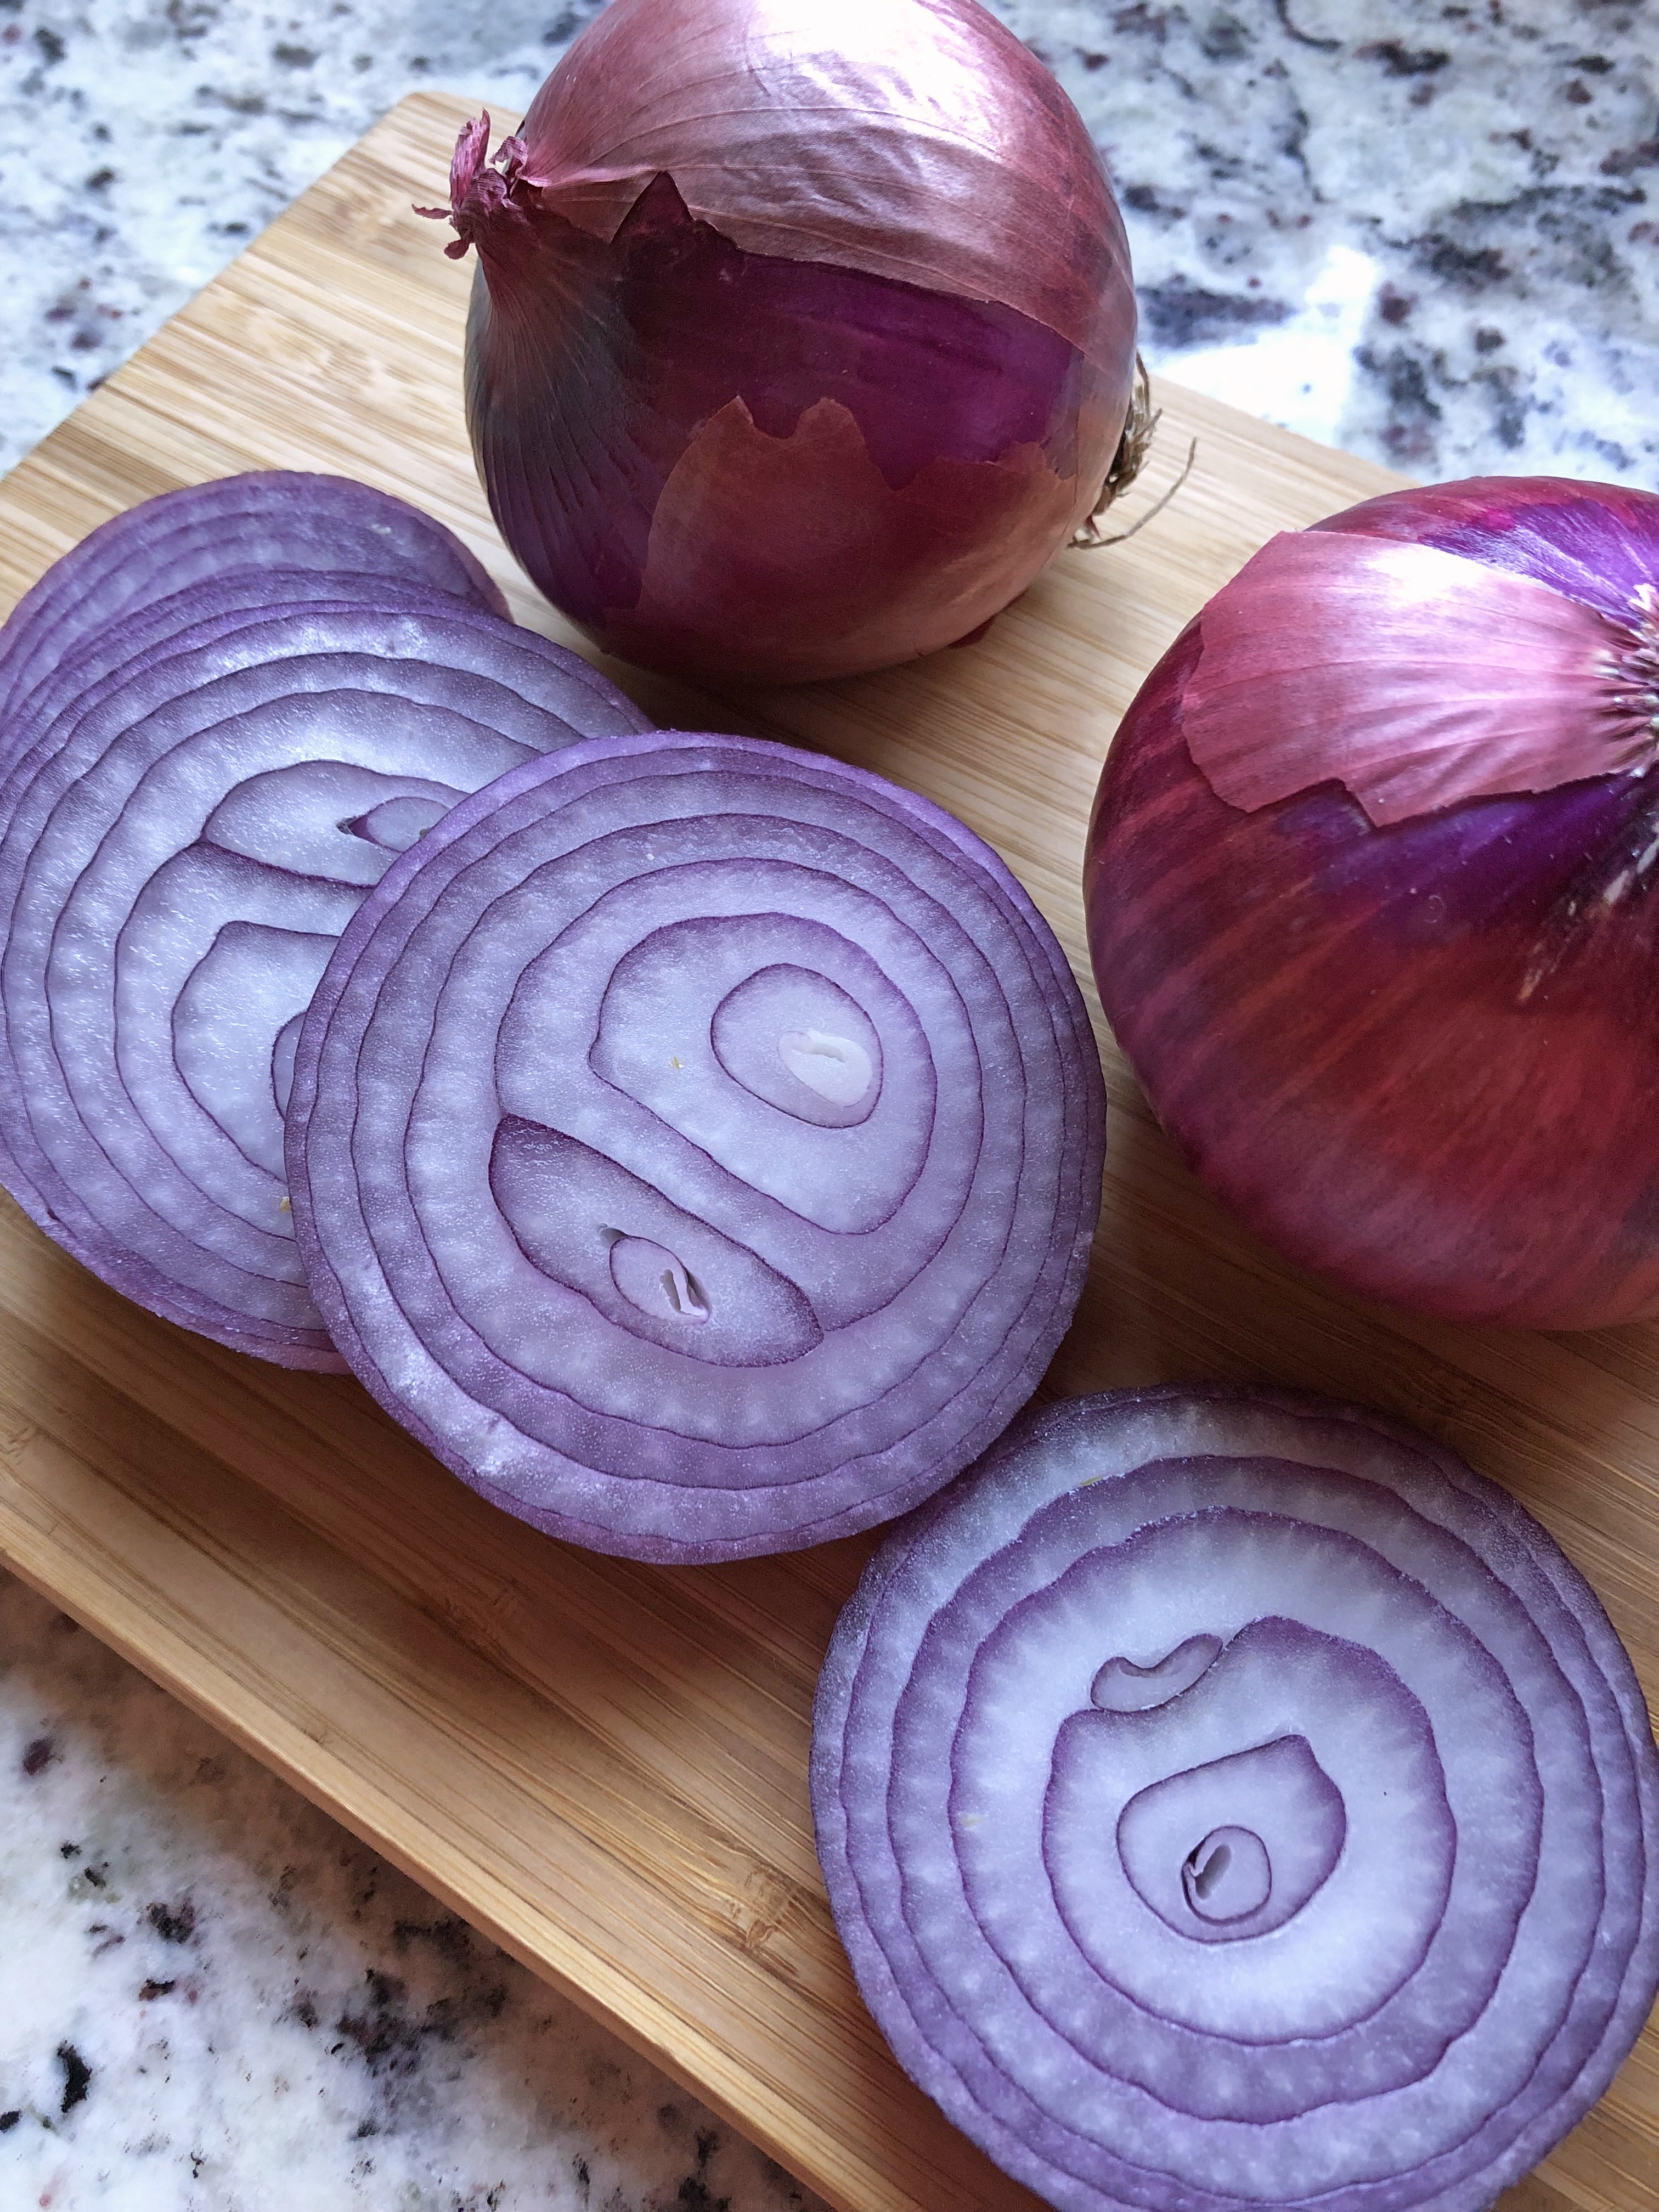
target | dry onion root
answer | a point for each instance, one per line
(1228, 1799)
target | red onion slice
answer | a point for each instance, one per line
(244, 598)
(1358, 1913)
(178, 851)
(697, 1145)
(270, 518)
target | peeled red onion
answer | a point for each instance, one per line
(802, 337)
(1371, 897)
(261, 520)
(697, 1144)
(181, 844)
(1228, 1800)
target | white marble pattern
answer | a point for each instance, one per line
(1433, 240)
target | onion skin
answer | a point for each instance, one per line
(1420, 1059)
(1154, 1622)
(778, 394)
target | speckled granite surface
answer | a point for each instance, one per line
(1436, 241)
(213, 2000)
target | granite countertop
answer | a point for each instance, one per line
(1435, 243)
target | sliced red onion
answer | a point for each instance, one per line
(246, 598)
(799, 343)
(697, 1143)
(1229, 1799)
(1371, 905)
(179, 850)
(272, 518)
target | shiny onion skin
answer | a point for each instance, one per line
(1395, 994)
(1230, 1800)
(802, 337)
(697, 1144)
(199, 810)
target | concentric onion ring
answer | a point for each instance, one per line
(1230, 1800)
(262, 520)
(180, 848)
(697, 1143)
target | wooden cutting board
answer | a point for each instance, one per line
(603, 1765)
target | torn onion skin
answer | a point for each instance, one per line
(1375, 921)
(697, 1143)
(800, 340)
(1230, 1799)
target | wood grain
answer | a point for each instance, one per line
(603, 1765)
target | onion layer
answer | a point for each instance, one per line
(697, 1143)
(180, 847)
(1370, 898)
(262, 521)
(797, 346)
(1229, 1799)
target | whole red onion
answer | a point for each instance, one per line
(802, 337)
(1370, 893)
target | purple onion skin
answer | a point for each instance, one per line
(1334, 1021)
(666, 380)
(1594, 543)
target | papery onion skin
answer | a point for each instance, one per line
(1475, 1944)
(697, 1144)
(1419, 1058)
(179, 845)
(799, 343)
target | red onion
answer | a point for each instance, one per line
(802, 337)
(1370, 900)
(1230, 1800)
(180, 847)
(697, 1144)
(263, 520)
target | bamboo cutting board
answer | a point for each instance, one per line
(603, 1765)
